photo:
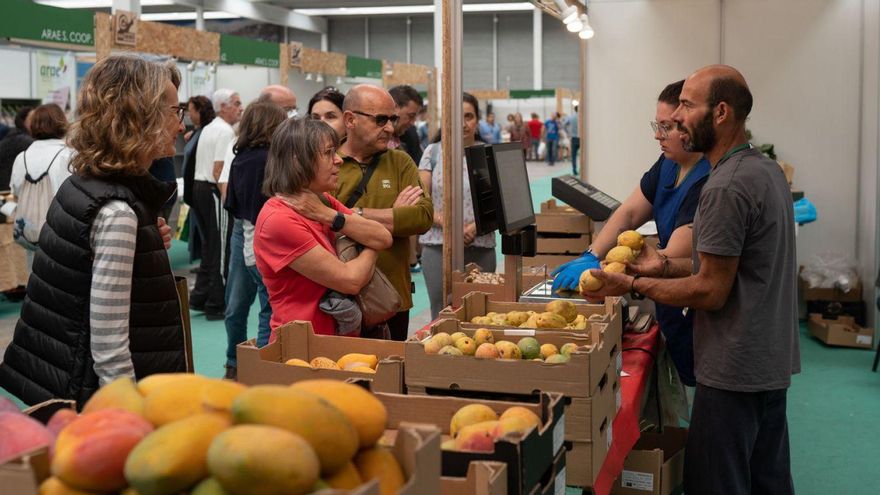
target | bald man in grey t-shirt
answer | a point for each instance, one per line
(741, 283)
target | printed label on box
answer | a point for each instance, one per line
(637, 480)
(558, 435)
(520, 332)
(559, 484)
(863, 339)
(610, 436)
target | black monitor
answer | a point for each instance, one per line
(500, 188)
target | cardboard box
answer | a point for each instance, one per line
(552, 261)
(829, 294)
(528, 459)
(481, 304)
(841, 332)
(579, 377)
(655, 466)
(563, 243)
(483, 478)
(584, 416)
(23, 475)
(417, 449)
(297, 340)
(585, 459)
(561, 219)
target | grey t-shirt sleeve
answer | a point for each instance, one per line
(724, 221)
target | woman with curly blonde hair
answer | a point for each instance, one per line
(102, 302)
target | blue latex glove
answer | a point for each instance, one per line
(569, 275)
(804, 211)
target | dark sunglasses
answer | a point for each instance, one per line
(380, 119)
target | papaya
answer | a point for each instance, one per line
(90, 452)
(379, 463)
(323, 362)
(298, 362)
(263, 460)
(209, 486)
(121, 393)
(346, 478)
(329, 432)
(371, 360)
(363, 409)
(173, 458)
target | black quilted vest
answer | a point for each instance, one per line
(49, 356)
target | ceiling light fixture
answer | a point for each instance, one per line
(587, 30)
(309, 76)
(320, 78)
(575, 25)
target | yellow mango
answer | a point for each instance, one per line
(371, 360)
(363, 409)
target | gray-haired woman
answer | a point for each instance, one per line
(295, 230)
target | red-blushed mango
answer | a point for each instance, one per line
(60, 419)
(363, 409)
(121, 393)
(20, 434)
(478, 437)
(90, 452)
(469, 415)
(512, 425)
(326, 428)
(379, 463)
(263, 460)
(174, 457)
(519, 411)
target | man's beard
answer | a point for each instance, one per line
(702, 138)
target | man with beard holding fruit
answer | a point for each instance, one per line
(741, 283)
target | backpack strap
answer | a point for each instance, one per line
(27, 175)
(362, 187)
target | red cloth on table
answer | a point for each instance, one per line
(625, 428)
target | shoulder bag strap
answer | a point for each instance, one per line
(362, 187)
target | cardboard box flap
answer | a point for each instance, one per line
(483, 478)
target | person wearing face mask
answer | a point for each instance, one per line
(295, 232)
(102, 278)
(326, 106)
(477, 249)
(668, 194)
(392, 192)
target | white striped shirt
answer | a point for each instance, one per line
(113, 237)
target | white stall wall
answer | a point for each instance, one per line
(812, 67)
(248, 81)
(15, 81)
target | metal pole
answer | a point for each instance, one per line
(366, 37)
(495, 51)
(453, 152)
(200, 19)
(537, 49)
(582, 112)
(409, 40)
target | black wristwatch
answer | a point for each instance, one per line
(632, 291)
(338, 222)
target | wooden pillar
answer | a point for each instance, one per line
(103, 35)
(582, 111)
(284, 62)
(451, 119)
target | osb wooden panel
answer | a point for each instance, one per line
(327, 63)
(490, 94)
(159, 39)
(284, 62)
(405, 74)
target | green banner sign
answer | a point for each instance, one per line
(30, 21)
(245, 51)
(522, 94)
(363, 67)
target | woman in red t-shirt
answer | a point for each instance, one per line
(295, 231)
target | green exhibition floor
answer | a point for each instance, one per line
(833, 404)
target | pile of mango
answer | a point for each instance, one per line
(629, 246)
(476, 427)
(181, 433)
(483, 346)
(361, 363)
(557, 314)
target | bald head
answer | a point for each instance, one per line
(715, 84)
(279, 95)
(366, 98)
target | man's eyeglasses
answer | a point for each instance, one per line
(380, 119)
(663, 129)
(180, 110)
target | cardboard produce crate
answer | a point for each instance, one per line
(528, 460)
(655, 466)
(561, 219)
(842, 332)
(829, 294)
(481, 304)
(585, 459)
(23, 475)
(297, 340)
(531, 276)
(483, 478)
(563, 243)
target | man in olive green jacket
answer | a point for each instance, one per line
(393, 195)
